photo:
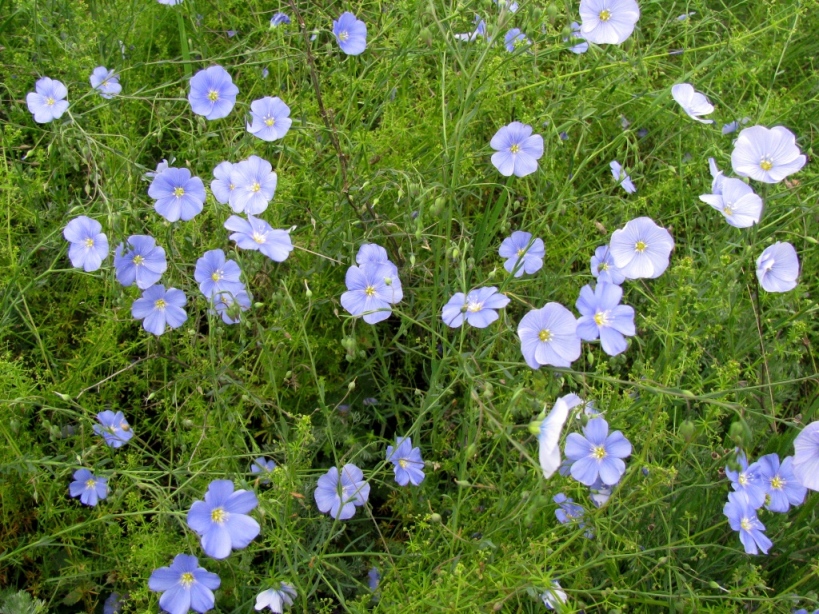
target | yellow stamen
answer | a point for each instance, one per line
(50, 101)
(727, 211)
(369, 290)
(605, 15)
(216, 275)
(160, 304)
(640, 246)
(745, 523)
(258, 237)
(403, 463)
(218, 515)
(178, 191)
(601, 318)
(765, 164)
(255, 187)
(544, 335)
(269, 121)
(777, 483)
(89, 242)
(90, 483)
(599, 452)
(603, 266)
(474, 307)
(515, 148)
(138, 260)
(742, 479)
(187, 579)
(213, 95)
(343, 36)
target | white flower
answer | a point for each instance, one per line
(737, 202)
(693, 103)
(608, 21)
(767, 155)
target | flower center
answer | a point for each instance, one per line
(213, 95)
(515, 148)
(216, 275)
(603, 266)
(179, 191)
(255, 187)
(599, 452)
(403, 463)
(766, 164)
(605, 15)
(474, 307)
(544, 335)
(259, 238)
(187, 579)
(369, 290)
(640, 246)
(50, 101)
(231, 187)
(90, 483)
(777, 483)
(218, 515)
(728, 211)
(343, 36)
(601, 318)
(270, 121)
(745, 523)
(138, 260)
(160, 304)
(89, 242)
(521, 251)
(743, 480)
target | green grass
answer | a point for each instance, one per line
(401, 157)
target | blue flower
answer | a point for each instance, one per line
(105, 81)
(548, 336)
(513, 6)
(480, 30)
(47, 102)
(276, 599)
(161, 167)
(271, 118)
(407, 461)
(517, 150)
(717, 177)
(89, 245)
(553, 597)
(734, 125)
(515, 38)
(371, 289)
(254, 184)
(767, 155)
(221, 520)
(113, 428)
(256, 234)
(747, 481)
(578, 47)
(549, 433)
(144, 263)
(736, 201)
(370, 253)
(478, 308)
(215, 274)
(350, 33)
(213, 93)
(373, 578)
(522, 254)
(597, 454)
(277, 20)
(742, 517)
(778, 267)
(339, 496)
(262, 466)
(221, 186)
(169, 2)
(806, 458)
(177, 194)
(692, 102)
(602, 315)
(230, 305)
(608, 21)
(599, 493)
(567, 510)
(184, 586)
(88, 488)
(781, 485)
(603, 267)
(113, 605)
(621, 177)
(158, 308)
(641, 249)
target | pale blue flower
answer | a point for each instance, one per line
(113, 428)
(222, 520)
(47, 101)
(517, 150)
(87, 487)
(256, 234)
(371, 289)
(216, 274)
(747, 481)
(742, 517)
(554, 598)
(212, 93)
(641, 249)
(178, 195)
(105, 81)
(515, 38)
(608, 21)
(373, 578)
(692, 102)
(370, 253)
(339, 493)
(781, 485)
(777, 268)
(806, 458)
(549, 433)
(143, 262)
(409, 467)
(767, 155)
(567, 510)
(737, 202)
(478, 308)
(221, 185)
(350, 33)
(602, 315)
(276, 599)
(621, 177)
(522, 254)
(480, 30)
(184, 586)
(596, 454)
(717, 177)
(277, 20)
(262, 466)
(603, 267)
(159, 308)
(580, 45)
(548, 336)
(89, 245)
(271, 118)
(254, 182)
(230, 304)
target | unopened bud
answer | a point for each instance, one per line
(435, 517)
(687, 430)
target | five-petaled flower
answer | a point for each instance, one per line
(621, 177)
(262, 466)
(158, 308)
(767, 155)
(641, 249)
(213, 93)
(407, 461)
(515, 38)
(89, 245)
(254, 185)
(47, 102)
(221, 520)
(113, 428)
(608, 21)
(271, 118)
(216, 274)
(548, 336)
(777, 268)
(478, 308)
(371, 289)
(781, 485)
(747, 480)
(87, 487)
(736, 201)
(522, 254)
(742, 517)
(230, 305)
(350, 33)
(143, 262)
(602, 315)
(692, 102)
(806, 458)
(256, 234)
(105, 81)
(603, 267)
(517, 150)
(276, 598)
(184, 586)
(178, 195)
(597, 454)
(339, 493)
